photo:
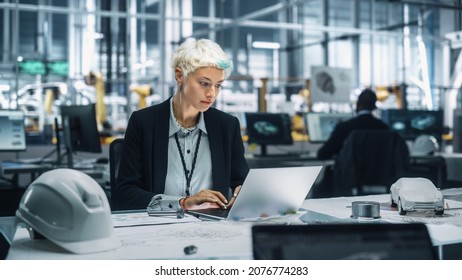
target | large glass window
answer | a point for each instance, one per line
(129, 43)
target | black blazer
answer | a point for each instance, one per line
(335, 142)
(143, 166)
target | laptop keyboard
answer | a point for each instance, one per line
(218, 212)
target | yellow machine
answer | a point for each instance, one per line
(96, 80)
(143, 91)
(383, 92)
(49, 99)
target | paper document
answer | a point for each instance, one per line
(142, 218)
(215, 240)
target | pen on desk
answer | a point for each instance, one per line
(162, 213)
(178, 213)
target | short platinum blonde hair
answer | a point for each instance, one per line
(192, 55)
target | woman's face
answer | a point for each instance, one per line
(201, 87)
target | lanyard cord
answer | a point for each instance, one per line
(188, 178)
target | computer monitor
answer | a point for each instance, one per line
(12, 131)
(80, 130)
(351, 241)
(321, 125)
(412, 123)
(269, 129)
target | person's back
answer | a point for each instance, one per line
(363, 121)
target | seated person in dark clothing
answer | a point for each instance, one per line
(183, 151)
(363, 121)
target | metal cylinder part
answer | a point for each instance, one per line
(365, 209)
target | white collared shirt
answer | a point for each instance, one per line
(175, 183)
(364, 112)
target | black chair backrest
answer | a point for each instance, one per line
(370, 157)
(115, 153)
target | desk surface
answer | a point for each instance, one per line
(16, 167)
(443, 230)
(214, 240)
(232, 240)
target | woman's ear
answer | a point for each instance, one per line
(178, 75)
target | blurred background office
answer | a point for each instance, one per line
(299, 64)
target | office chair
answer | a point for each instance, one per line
(370, 158)
(115, 153)
(10, 197)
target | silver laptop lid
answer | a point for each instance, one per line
(273, 191)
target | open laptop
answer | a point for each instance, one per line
(267, 192)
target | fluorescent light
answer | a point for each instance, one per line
(266, 45)
(98, 36)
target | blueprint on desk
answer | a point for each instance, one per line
(143, 219)
(213, 240)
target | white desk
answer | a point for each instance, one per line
(232, 240)
(214, 240)
(443, 230)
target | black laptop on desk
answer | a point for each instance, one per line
(362, 241)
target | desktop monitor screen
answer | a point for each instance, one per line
(269, 128)
(12, 130)
(412, 123)
(321, 125)
(80, 129)
(353, 241)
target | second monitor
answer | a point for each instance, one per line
(412, 123)
(321, 125)
(80, 130)
(269, 129)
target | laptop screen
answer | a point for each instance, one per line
(342, 241)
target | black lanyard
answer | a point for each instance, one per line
(188, 176)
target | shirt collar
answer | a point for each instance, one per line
(364, 112)
(174, 127)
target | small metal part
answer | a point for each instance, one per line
(189, 250)
(365, 209)
(180, 213)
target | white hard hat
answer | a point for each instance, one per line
(70, 209)
(424, 145)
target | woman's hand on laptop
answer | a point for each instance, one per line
(209, 198)
(235, 193)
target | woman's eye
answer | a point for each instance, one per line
(204, 84)
(219, 86)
